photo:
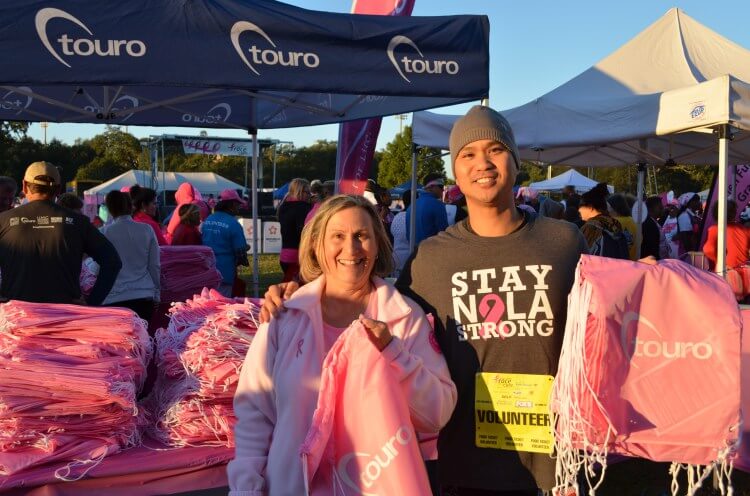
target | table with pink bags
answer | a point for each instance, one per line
(71, 421)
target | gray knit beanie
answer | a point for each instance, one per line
(482, 123)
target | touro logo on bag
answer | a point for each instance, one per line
(379, 462)
(269, 56)
(83, 47)
(636, 345)
(420, 65)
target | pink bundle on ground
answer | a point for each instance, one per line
(186, 270)
(69, 376)
(199, 357)
(344, 456)
(650, 367)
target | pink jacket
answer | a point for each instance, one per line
(186, 193)
(280, 379)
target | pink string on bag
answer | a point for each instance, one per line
(69, 376)
(199, 357)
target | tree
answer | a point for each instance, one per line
(115, 152)
(395, 163)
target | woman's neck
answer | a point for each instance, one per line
(342, 305)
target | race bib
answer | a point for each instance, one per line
(512, 412)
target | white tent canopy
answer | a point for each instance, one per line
(678, 92)
(205, 182)
(657, 97)
(571, 177)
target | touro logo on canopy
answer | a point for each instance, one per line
(125, 102)
(379, 462)
(269, 56)
(83, 47)
(13, 100)
(420, 65)
(216, 114)
(638, 346)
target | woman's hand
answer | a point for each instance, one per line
(377, 331)
(649, 260)
(273, 300)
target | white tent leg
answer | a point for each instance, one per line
(254, 199)
(639, 206)
(721, 221)
(413, 216)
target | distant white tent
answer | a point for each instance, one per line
(568, 178)
(205, 182)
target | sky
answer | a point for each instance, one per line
(535, 46)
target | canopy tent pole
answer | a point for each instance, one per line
(273, 178)
(246, 175)
(721, 220)
(413, 206)
(639, 214)
(163, 174)
(254, 199)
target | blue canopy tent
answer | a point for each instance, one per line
(280, 192)
(399, 190)
(246, 64)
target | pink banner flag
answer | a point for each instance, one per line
(357, 139)
(741, 196)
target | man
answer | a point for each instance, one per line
(42, 246)
(497, 284)
(567, 192)
(431, 215)
(653, 243)
(8, 189)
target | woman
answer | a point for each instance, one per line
(344, 250)
(604, 235)
(224, 235)
(137, 285)
(186, 194)
(187, 232)
(738, 238)
(619, 210)
(144, 210)
(292, 213)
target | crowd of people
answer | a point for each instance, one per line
(493, 265)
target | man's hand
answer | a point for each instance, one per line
(273, 300)
(649, 260)
(377, 331)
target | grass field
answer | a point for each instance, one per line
(270, 273)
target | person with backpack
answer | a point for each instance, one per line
(604, 234)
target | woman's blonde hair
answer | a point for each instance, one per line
(311, 246)
(298, 186)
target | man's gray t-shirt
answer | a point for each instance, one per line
(500, 307)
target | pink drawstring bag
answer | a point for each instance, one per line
(743, 453)
(361, 441)
(649, 367)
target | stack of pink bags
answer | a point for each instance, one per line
(186, 270)
(69, 376)
(199, 358)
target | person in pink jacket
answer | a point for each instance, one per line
(343, 252)
(186, 193)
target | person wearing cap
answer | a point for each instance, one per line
(225, 236)
(431, 215)
(497, 284)
(42, 246)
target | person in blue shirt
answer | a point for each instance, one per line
(225, 236)
(431, 215)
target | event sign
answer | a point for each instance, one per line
(247, 228)
(357, 139)
(271, 237)
(217, 147)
